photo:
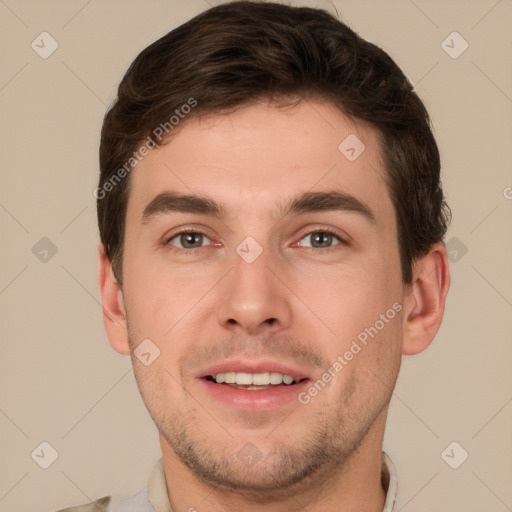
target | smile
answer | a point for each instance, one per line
(253, 381)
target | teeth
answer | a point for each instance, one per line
(276, 378)
(256, 379)
(287, 379)
(244, 379)
(229, 378)
(260, 379)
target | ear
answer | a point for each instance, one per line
(114, 312)
(425, 300)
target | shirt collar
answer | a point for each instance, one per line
(389, 482)
(157, 486)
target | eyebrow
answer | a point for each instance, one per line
(333, 200)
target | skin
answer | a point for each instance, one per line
(295, 303)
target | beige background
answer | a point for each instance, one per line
(63, 384)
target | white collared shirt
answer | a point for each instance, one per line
(154, 497)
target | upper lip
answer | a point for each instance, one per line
(246, 366)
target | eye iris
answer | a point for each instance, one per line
(188, 238)
(323, 239)
(194, 240)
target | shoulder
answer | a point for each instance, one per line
(99, 505)
(139, 502)
(136, 503)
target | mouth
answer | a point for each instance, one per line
(252, 386)
(254, 381)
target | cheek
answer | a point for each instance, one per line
(345, 299)
(358, 317)
(156, 385)
(159, 296)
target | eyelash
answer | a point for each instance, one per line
(343, 241)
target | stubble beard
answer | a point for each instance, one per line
(281, 469)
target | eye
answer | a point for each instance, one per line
(188, 240)
(322, 239)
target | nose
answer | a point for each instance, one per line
(253, 298)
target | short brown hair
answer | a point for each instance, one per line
(244, 51)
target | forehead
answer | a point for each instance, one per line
(260, 157)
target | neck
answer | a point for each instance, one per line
(349, 486)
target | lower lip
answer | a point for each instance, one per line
(254, 400)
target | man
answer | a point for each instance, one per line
(272, 223)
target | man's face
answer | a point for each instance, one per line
(260, 291)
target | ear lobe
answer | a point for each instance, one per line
(425, 301)
(114, 312)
